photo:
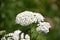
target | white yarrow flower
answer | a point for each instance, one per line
(16, 36)
(43, 27)
(27, 17)
(24, 18)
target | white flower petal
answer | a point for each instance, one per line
(22, 36)
(27, 36)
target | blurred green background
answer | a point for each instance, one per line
(48, 8)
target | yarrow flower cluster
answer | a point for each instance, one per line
(43, 27)
(27, 17)
(16, 35)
